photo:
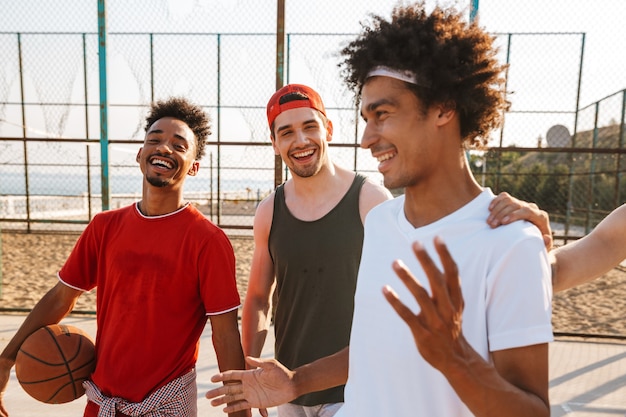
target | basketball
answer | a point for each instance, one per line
(53, 362)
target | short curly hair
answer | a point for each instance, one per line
(454, 62)
(180, 108)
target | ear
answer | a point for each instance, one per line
(446, 112)
(329, 130)
(276, 151)
(193, 169)
(138, 154)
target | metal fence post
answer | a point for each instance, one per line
(104, 121)
(473, 10)
(622, 142)
(0, 260)
(280, 75)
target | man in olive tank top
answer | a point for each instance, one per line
(308, 237)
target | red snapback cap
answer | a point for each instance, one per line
(313, 100)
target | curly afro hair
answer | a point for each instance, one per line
(181, 109)
(454, 62)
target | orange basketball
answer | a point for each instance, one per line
(53, 362)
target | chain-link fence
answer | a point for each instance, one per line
(578, 178)
(222, 55)
(561, 145)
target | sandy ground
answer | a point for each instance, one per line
(30, 263)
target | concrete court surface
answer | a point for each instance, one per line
(587, 379)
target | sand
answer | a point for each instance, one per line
(30, 263)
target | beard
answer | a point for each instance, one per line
(158, 181)
(305, 172)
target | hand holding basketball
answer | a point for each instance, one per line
(53, 362)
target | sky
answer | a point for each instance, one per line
(601, 20)
(545, 54)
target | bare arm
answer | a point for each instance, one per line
(57, 303)
(324, 373)
(578, 262)
(52, 308)
(593, 255)
(272, 384)
(257, 304)
(227, 344)
(515, 385)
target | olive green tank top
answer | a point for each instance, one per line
(316, 265)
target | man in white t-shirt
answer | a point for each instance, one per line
(452, 317)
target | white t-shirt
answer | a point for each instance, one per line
(505, 279)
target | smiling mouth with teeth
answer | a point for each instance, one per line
(382, 158)
(303, 154)
(161, 163)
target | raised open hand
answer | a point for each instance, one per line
(437, 328)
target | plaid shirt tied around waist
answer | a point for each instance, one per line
(176, 398)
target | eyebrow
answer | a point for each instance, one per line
(289, 126)
(157, 131)
(374, 105)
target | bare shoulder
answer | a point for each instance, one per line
(372, 195)
(375, 192)
(266, 203)
(264, 214)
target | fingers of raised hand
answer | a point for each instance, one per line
(403, 311)
(428, 303)
(440, 295)
(451, 275)
(409, 280)
(444, 307)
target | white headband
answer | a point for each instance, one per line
(402, 75)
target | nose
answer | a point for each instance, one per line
(301, 137)
(369, 136)
(164, 147)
